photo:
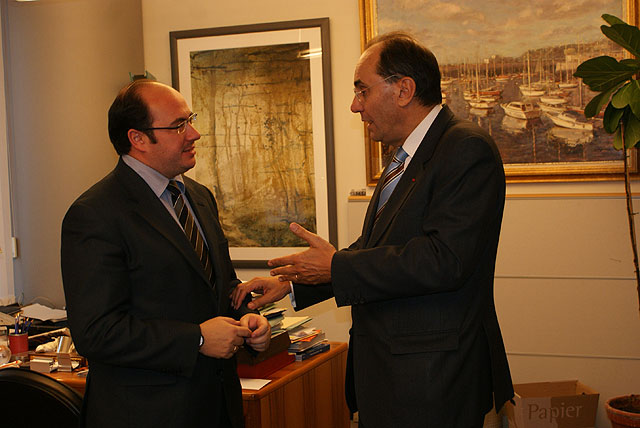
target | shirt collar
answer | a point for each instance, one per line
(414, 139)
(156, 181)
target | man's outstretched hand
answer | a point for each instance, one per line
(311, 266)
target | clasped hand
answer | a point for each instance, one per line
(223, 335)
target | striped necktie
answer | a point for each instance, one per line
(190, 228)
(391, 178)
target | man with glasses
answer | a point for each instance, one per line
(425, 346)
(147, 277)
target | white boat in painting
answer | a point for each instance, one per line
(567, 85)
(521, 110)
(480, 103)
(571, 120)
(531, 91)
(445, 82)
(547, 108)
(468, 96)
(553, 100)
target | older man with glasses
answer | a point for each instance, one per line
(425, 345)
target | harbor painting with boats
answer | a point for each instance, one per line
(508, 66)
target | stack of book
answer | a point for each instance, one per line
(292, 323)
(275, 316)
(307, 342)
(318, 348)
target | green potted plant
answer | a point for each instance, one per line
(619, 94)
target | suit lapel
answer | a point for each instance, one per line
(407, 181)
(147, 205)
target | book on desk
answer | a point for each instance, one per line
(262, 364)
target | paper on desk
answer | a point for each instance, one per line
(255, 384)
(289, 323)
(43, 313)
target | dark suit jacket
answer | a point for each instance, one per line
(136, 294)
(425, 344)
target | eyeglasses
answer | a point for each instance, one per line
(361, 93)
(179, 128)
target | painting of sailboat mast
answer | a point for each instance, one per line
(508, 66)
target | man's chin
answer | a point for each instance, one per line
(373, 134)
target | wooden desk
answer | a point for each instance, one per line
(306, 394)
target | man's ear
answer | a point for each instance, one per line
(137, 139)
(407, 91)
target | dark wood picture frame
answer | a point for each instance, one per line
(273, 37)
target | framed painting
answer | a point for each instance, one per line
(263, 98)
(508, 66)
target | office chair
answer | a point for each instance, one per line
(32, 399)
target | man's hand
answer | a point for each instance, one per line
(311, 266)
(222, 336)
(260, 331)
(271, 289)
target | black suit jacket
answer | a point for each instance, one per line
(136, 294)
(425, 344)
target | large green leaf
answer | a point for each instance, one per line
(623, 97)
(631, 63)
(604, 72)
(612, 20)
(617, 140)
(631, 131)
(595, 105)
(634, 102)
(624, 35)
(611, 120)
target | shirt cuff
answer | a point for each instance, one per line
(292, 295)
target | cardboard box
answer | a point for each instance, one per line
(564, 404)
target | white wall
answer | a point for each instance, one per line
(66, 61)
(6, 256)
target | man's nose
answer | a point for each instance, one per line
(193, 132)
(356, 105)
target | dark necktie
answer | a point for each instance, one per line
(190, 228)
(391, 178)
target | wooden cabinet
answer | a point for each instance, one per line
(307, 394)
